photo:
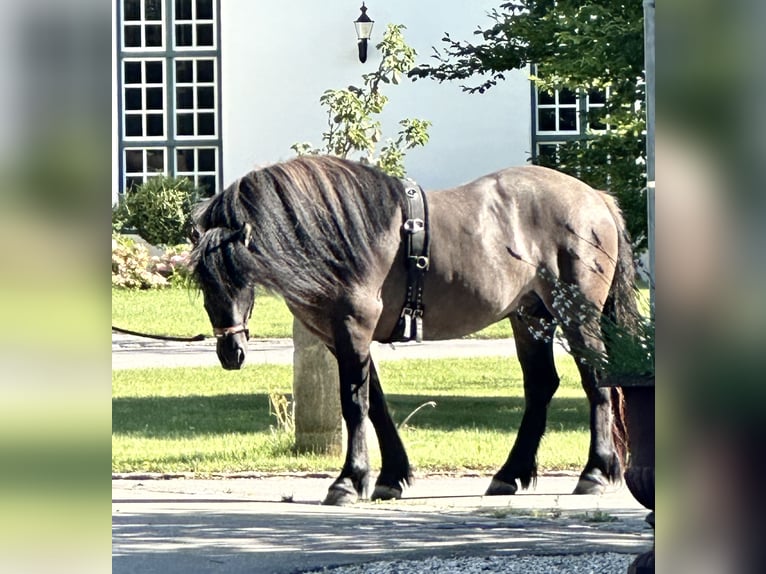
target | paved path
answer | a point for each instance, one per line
(129, 352)
(247, 524)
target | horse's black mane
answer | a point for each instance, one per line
(314, 225)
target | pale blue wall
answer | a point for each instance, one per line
(278, 58)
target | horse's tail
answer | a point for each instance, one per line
(621, 310)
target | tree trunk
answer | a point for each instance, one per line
(316, 395)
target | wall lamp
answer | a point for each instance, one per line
(363, 26)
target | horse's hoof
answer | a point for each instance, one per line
(339, 496)
(589, 486)
(501, 488)
(383, 492)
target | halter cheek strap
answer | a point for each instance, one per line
(221, 332)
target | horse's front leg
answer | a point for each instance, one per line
(354, 364)
(395, 472)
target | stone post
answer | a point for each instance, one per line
(316, 395)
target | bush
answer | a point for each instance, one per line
(130, 265)
(160, 209)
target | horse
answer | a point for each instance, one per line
(330, 236)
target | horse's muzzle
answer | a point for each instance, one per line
(232, 350)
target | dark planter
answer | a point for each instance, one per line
(639, 475)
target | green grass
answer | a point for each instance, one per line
(207, 420)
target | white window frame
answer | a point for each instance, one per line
(144, 111)
(193, 22)
(142, 23)
(195, 110)
(556, 106)
(145, 174)
(197, 173)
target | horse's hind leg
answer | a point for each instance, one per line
(533, 335)
(604, 464)
(395, 472)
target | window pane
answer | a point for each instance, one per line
(547, 120)
(183, 10)
(132, 36)
(155, 160)
(547, 154)
(133, 72)
(183, 35)
(185, 124)
(154, 99)
(567, 96)
(153, 35)
(545, 98)
(205, 98)
(206, 159)
(184, 71)
(133, 126)
(134, 161)
(132, 9)
(131, 182)
(155, 125)
(207, 185)
(153, 10)
(596, 96)
(154, 72)
(133, 99)
(185, 98)
(206, 124)
(204, 34)
(185, 160)
(567, 119)
(205, 71)
(204, 9)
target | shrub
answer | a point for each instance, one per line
(130, 265)
(160, 209)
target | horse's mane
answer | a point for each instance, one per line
(314, 224)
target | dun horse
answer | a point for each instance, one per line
(360, 256)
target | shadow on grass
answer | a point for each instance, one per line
(159, 417)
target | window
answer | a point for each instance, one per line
(143, 84)
(200, 165)
(195, 97)
(143, 24)
(194, 24)
(169, 86)
(562, 116)
(143, 163)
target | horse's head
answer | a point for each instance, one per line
(219, 264)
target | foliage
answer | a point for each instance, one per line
(578, 46)
(352, 112)
(120, 217)
(133, 268)
(160, 209)
(629, 345)
(130, 265)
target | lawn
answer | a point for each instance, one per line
(207, 420)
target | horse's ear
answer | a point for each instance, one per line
(247, 234)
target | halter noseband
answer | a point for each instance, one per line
(221, 332)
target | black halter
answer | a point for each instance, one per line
(417, 239)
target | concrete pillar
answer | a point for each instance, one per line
(316, 395)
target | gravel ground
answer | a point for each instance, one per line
(600, 563)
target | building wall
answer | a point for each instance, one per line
(279, 57)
